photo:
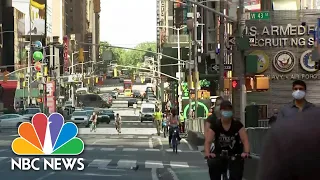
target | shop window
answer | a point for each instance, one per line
(263, 111)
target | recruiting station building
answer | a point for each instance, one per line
(284, 47)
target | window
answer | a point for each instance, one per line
(263, 111)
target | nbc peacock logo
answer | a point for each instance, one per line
(47, 136)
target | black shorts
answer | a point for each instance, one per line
(218, 166)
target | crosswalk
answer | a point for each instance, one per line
(127, 163)
(113, 149)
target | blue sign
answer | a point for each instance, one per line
(318, 31)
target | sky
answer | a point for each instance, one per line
(128, 22)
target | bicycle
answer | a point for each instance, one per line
(224, 154)
(164, 128)
(174, 140)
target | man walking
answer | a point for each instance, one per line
(158, 120)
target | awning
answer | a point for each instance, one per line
(9, 84)
(23, 93)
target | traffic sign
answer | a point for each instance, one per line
(227, 67)
(232, 41)
(252, 40)
(262, 15)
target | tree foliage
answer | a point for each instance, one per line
(129, 57)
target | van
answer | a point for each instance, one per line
(147, 111)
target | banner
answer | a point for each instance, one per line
(37, 16)
(51, 100)
(65, 53)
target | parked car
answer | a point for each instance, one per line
(12, 120)
(30, 111)
(103, 117)
(80, 117)
(136, 94)
(114, 94)
(131, 102)
(109, 112)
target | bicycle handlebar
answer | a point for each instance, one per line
(227, 156)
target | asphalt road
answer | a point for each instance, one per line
(119, 157)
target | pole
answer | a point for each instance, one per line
(44, 82)
(72, 73)
(179, 71)
(29, 70)
(222, 47)
(82, 75)
(243, 96)
(190, 73)
(196, 71)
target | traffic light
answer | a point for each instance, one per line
(262, 83)
(235, 84)
(81, 55)
(5, 76)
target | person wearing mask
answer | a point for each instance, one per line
(215, 114)
(118, 123)
(94, 119)
(173, 123)
(158, 120)
(182, 124)
(291, 149)
(228, 135)
(299, 103)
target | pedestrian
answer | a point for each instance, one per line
(135, 105)
(118, 123)
(299, 103)
(173, 123)
(291, 148)
(158, 120)
(182, 123)
(215, 114)
(94, 119)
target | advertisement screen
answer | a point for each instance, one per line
(37, 17)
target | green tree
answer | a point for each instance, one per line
(135, 57)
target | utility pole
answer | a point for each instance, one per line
(190, 71)
(179, 71)
(196, 71)
(222, 48)
(243, 95)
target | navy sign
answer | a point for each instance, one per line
(307, 63)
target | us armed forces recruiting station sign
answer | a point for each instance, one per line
(282, 36)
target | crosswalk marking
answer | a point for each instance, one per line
(127, 163)
(3, 150)
(143, 137)
(130, 149)
(129, 136)
(3, 158)
(175, 164)
(108, 149)
(170, 150)
(154, 150)
(154, 164)
(89, 148)
(100, 163)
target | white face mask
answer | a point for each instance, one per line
(298, 94)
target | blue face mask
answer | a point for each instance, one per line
(227, 114)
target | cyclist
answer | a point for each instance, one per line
(158, 120)
(118, 123)
(173, 123)
(229, 135)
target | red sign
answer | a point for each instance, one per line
(51, 100)
(234, 84)
(65, 53)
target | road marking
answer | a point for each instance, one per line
(130, 149)
(150, 143)
(160, 143)
(142, 137)
(170, 150)
(185, 141)
(154, 174)
(88, 148)
(3, 158)
(96, 141)
(100, 163)
(122, 163)
(15, 135)
(3, 150)
(108, 149)
(154, 164)
(130, 136)
(46, 176)
(175, 164)
(173, 174)
(102, 175)
(154, 150)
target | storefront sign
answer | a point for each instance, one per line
(295, 77)
(162, 11)
(282, 36)
(65, 53)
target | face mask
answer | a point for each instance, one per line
(217, 108)
(298, 94)
(227, 114)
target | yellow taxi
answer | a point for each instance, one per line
(128, 92)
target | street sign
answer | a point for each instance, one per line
(227, 67)
(252, 40)
(262, 15)
(232, 41)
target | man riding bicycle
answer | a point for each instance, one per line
(229, 136)
(173, 123)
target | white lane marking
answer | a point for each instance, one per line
(150, 143)
(102, 175)
(108, 149)
(15, 135)
(45, 176)
(170, 150)
(173, 174)
(122, 163)
(3, 150)
(175, 164)
(100, 163)
(185, 141)
(153, 150)
(154, 174)
(88, 148)
(154, 164)
(130, 149)
(3, 158)
(142, 137)
(96, 141)
(129, 136)
(160, 143)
